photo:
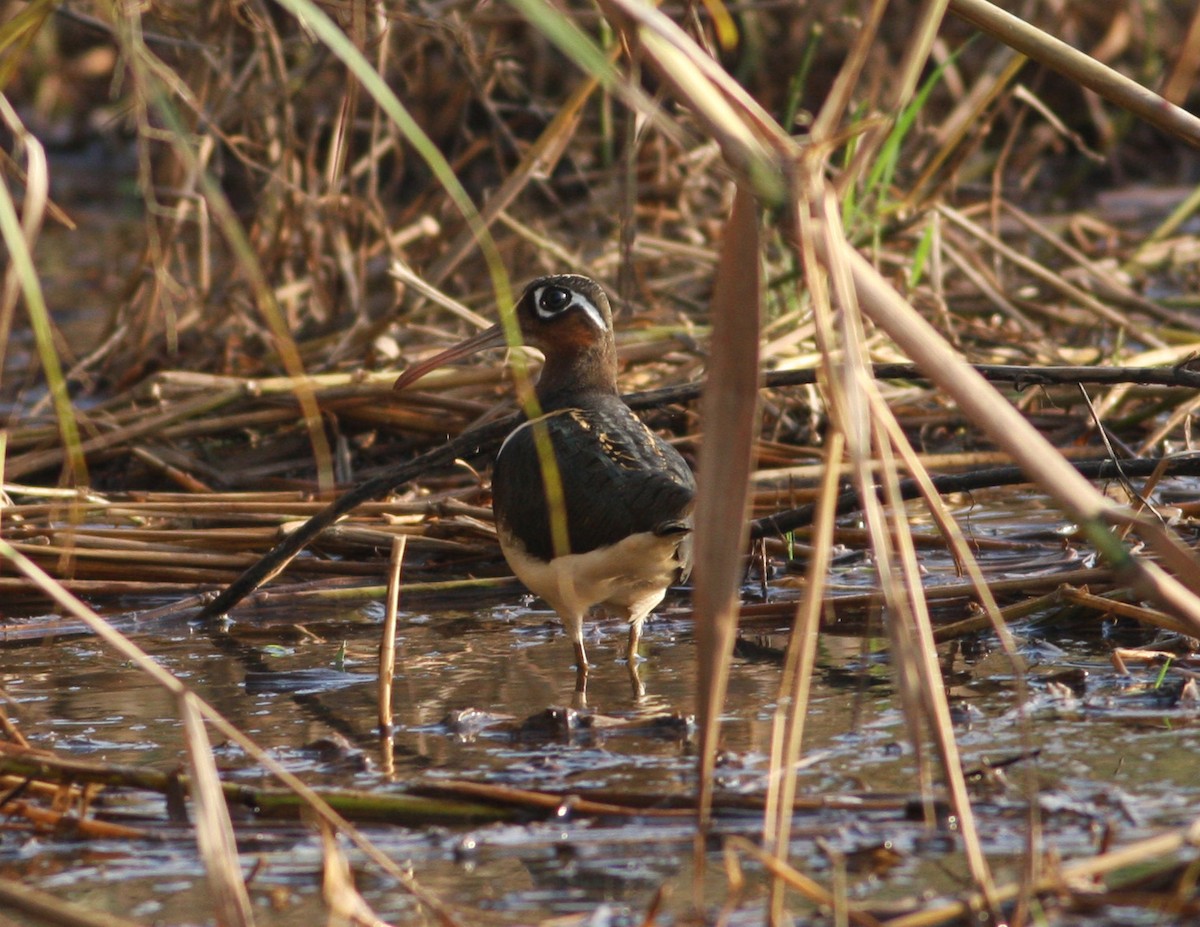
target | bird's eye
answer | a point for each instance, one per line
(555, 299)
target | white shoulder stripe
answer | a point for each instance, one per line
(541, 418)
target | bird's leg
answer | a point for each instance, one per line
(631, 654)
(574, 628)
(579, 700)
(573, 625)
(635, 638)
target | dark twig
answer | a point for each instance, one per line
(1181, 376)
(470, 444)
(482, 440)
(1104, 469)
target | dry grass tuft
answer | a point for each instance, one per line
(198, 343)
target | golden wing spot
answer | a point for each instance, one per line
(618, 453)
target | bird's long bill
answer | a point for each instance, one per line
(488, 338)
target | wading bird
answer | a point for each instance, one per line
(592, 508)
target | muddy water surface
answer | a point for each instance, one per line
(1115, 757)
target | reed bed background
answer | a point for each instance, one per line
(229, 225)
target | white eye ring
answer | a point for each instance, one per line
(578, 301)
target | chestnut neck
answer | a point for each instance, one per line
(573, 372)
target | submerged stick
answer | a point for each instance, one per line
(470, 444)
(480, 440)
(1020, 376)
(1105, 469)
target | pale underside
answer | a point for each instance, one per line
(628, 579)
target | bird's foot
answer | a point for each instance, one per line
(635, 682)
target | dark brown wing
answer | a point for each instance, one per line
(618, 479)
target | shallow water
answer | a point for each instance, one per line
(1113, 755)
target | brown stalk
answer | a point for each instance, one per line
(345, 903)
(1104, 276)
(983, 278)
(157, 86)
(51, 909)
(214, 830)
(898, 93)
(784, 874)
(963, 132)
(1079, 872)
(935, 698)
(1181, 416)
(729, 410)
(387, 646)
(539, 160)
(918, 676)
(747, 134)
(39, 460)
(795, 682)
(1011, 431)
(1051, 279)
(910, 629)
(1081, 68)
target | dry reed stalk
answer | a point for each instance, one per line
(163, 538)
(345, 903)
(795, 682)
(47, 772)
(858, 537)
(1104, 277)
(539, 160)
(962, 133)
(250, 508)
(1182, 415)
(387, 647)
(1079, 872)
(1010, 431)
(131, 652)
(50, 909)
(845, 599)
(214, 830)
(856, 407)
(985, 622)
(33, 461)
(48, 821)
(156, 89)
(729, 409)
(20, 278)
(982, 277)
(785, 875)
(1080, 68)
(966, 562)
(943, 463)
(19, 591)
(744, 131)
(183, 479)
(182, 560)
(1051, 279)
(1182, 76)
(1108, 606)
(598, 803)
